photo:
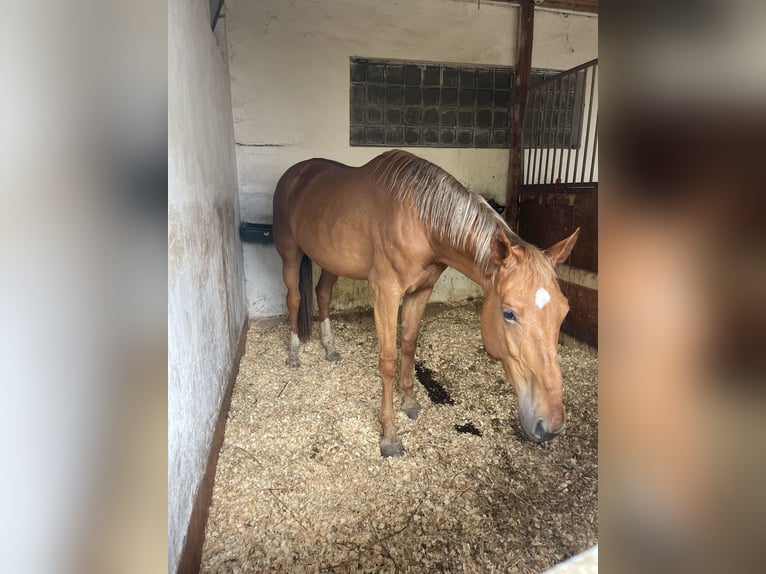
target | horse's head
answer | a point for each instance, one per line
(520, 325)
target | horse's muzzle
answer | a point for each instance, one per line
(541, 434)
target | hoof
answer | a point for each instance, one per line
(293, 362)
(389, 449)
(412, 412)
(333, 357)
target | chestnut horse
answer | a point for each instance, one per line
(399, 221)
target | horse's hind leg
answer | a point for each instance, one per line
(324, 294)
(413, 306)
(291, 264)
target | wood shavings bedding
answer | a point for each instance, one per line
(301, 485)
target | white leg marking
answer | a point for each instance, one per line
(295, 344)
(326, 330)
(542, 297)
(292, 350)
(328, 341)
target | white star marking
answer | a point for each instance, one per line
(542, 297)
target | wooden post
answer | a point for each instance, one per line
(523, 73)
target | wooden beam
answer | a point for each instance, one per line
(588, 6)
(523, 73)
(582, 320)
(585, 6)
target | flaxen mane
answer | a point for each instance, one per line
(456, 215)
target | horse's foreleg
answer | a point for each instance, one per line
(413, 306)
(290, 275)
(324, 294)
(386, 309)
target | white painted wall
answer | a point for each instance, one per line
(290, 60)
(562, 41)
(206, 301)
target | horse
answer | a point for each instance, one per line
(399, 221)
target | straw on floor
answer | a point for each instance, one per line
(301, 485)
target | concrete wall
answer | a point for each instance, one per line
(289, 66)
(206, 301)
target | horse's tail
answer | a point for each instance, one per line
(307, 300)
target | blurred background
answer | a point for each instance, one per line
(682, 308)
(83, 281)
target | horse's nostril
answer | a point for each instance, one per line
(541, 434)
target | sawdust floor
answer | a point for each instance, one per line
(301, 485)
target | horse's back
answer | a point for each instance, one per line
(297, 176)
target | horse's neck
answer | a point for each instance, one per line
(463, 261)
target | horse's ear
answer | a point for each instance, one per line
(559, 252)
(502, 252)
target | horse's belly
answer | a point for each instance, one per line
(342, 266)
(342, 254)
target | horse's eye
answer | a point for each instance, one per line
(510, 315)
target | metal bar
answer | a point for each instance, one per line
(527, 135)
(590, 116)
(593, 62)
(556, 145)
(579, 104)
(543, 141)
(548, 134)
(535, 136)
(595, 144)
(573, 131)
(554, 187)
(541, 138)
(524, 142)
(532, 118)
(555, 123)
(563, 135)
